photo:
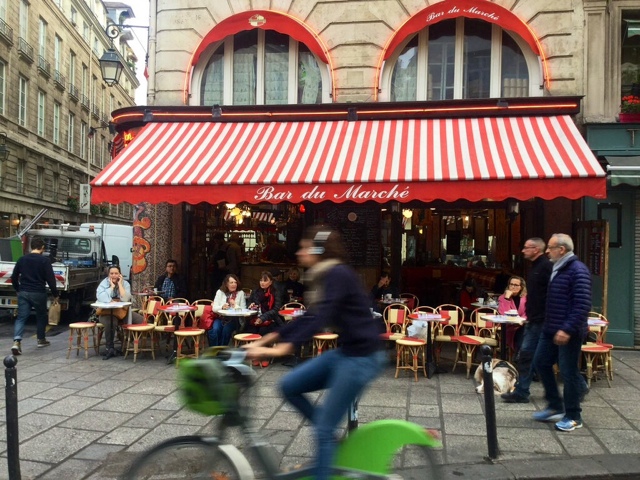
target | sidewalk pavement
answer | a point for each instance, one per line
(86, 419)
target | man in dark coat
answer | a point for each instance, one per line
(564, 330)
(537, 282)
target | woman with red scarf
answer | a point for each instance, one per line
(267, 300)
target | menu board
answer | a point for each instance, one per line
(359, 226)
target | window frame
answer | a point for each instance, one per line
(292, 94)
(532, 61)
(57, 108)
(42, 107)
(71, 125)
(3, 86)
(23, 101)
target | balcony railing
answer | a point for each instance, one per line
(6, 33)
(95, 111)
(44, 67)
(73, 92)
(25, 50)
(59, 80)
(84, 100)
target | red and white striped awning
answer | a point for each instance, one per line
(406, 159)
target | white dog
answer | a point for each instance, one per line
(505, 376)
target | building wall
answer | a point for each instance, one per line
(356, 33)
(62, 171)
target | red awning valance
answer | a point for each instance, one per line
(403, 159)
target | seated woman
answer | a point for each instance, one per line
(230, 295)
(267, 299)
(114, 288)
(514, 298)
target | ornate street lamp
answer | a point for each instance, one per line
(111, 67)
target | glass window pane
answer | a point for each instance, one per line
(309, 78)
(276, 68)
(630, 60)
(441, 57)
(212, 85)
(404, 79)
(515, 74)
(477, 59)
(245, 56)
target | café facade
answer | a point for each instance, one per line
(428, 132)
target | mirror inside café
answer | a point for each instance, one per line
(419, 243)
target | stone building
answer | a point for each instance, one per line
(55, 109)
(506, 54)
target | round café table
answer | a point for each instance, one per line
(504, 320)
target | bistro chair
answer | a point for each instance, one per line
(81, 331)
(412, 300)
(597, 352)
(448, 331)
(395, 317)
(482, 333)
(164, 325)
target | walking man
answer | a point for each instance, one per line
(563, 331)
(31, 273)
(537, 282)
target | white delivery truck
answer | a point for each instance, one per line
(79, 257)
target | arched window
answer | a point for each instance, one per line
(260, 67)
(461, 58)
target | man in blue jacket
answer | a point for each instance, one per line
(563, 331)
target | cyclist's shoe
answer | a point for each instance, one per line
(548, 415)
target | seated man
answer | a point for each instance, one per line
(171, 285)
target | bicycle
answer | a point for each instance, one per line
(213, 385)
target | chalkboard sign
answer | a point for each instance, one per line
(359, 226)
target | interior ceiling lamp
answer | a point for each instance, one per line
(111, 67)
(4, 150)
(407, 213)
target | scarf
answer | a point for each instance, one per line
(560, 263)
(313, 280)
(266, 299)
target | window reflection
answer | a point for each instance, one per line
(212, 84)
(477, 59)
(245, 56)
(405, 74)
(309, 78)
(515, 74)
(276, 68)
(440, 73)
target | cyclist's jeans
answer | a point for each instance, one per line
(26, 301)
(344, 378)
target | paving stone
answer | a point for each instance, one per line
(123, 435)
(29, 405)
(619, 441)
(458, 424)
(28, 389)
(73, 468)
(159, 434)
(187, 417)
(55, 393)
(461, 404)
(28, 470)
(101, 421)
(106, 388)
(148, 418)
(70, 406)
(128, 402)
(56, 444)
(32, 424)
(98, 451)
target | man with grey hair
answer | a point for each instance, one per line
(563, 331)
(537, 282)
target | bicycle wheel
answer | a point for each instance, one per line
(416, 462)
(192, 458)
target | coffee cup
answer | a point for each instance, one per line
(480, 301)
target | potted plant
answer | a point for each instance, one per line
(630, 109)
(73, 204)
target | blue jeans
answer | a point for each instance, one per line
(530, 339)
(567, 356)
(27, 301)
(220, 335)
(344, 378)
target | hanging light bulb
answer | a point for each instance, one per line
(407, 213)
(230, 206)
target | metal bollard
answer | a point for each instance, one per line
(11, 394)
(489, 402)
